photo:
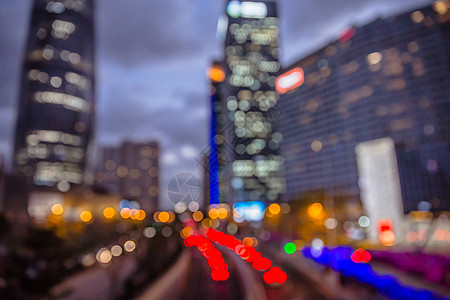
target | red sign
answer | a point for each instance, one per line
(290, 80)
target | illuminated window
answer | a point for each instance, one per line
(67, 101)
(374, 58)
(122, 171)
(417, 16)
(110, 165)
(316, 145)
(78, 80)
(441, 7)
(56, 81)
(153, 172)
(62, 29)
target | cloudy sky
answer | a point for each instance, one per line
(151, 62)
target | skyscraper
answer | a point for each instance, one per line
(371, 118)
(56, 106)
(249, 100)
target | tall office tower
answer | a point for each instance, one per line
(132, 171)
(56, 106)
(371, 118)
(216, 156)
(249, 102)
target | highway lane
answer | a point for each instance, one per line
(201, 286)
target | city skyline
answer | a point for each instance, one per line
(168, 89)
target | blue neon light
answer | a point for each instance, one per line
(339, 260)
(213, 155)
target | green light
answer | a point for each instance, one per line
(290, 248)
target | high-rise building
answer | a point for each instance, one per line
(132, 171)
(374, 104)
(56, 107)
(248, 115)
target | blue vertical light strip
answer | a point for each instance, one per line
(213, 155)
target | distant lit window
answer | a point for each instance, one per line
(374, 58)
(56, 81)
(417, 16)
(55, 7)
(110, 165)
(68, 101)
(441, 7)
(316, 145)
(62, 29)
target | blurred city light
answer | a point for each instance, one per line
(116, 250)
(109, 212)
(290, 248)
(315, 210)
(86, 216)
(129, 246)
(149, 232)
(57, 209)
(290, 80)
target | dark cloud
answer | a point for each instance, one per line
(136, 31)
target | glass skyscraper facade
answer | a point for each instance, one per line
(248, 120)
(56, 107)
(389, 79)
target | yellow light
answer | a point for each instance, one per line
(116, 250)
(387, 238)
(374, 58)
(57, 209)
(105, 257)
(222, 213)
(197, 216)
(163, 217)
(133, 213)
(213, 213)
(417, 16)
(129, 246)
(316, 145)
(207, 223)
(125, 213)
(216, 73)
(140, 215)
(86, 216)
(315, 210)
(156, 216)
(109, 212)
(187, 231)
(274, 209)
(171, 217)
(248, 241)
(440, 7)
